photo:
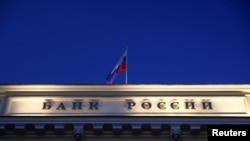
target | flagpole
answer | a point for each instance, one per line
(126, 63)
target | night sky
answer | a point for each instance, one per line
(169, 41)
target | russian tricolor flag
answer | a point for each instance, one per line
(119, 67)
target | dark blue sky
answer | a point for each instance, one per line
(169, 41)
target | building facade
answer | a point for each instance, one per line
(119, 112)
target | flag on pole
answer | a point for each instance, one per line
(119, 67)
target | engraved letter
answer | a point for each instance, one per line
(207, 105)
(93, 105)
(131, 104)
(146, 105)
(61, 107)
(174, 105)
(161, 105)
(190, 104)
(46, 105)
(77, 105)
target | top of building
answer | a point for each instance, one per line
(125, 87)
